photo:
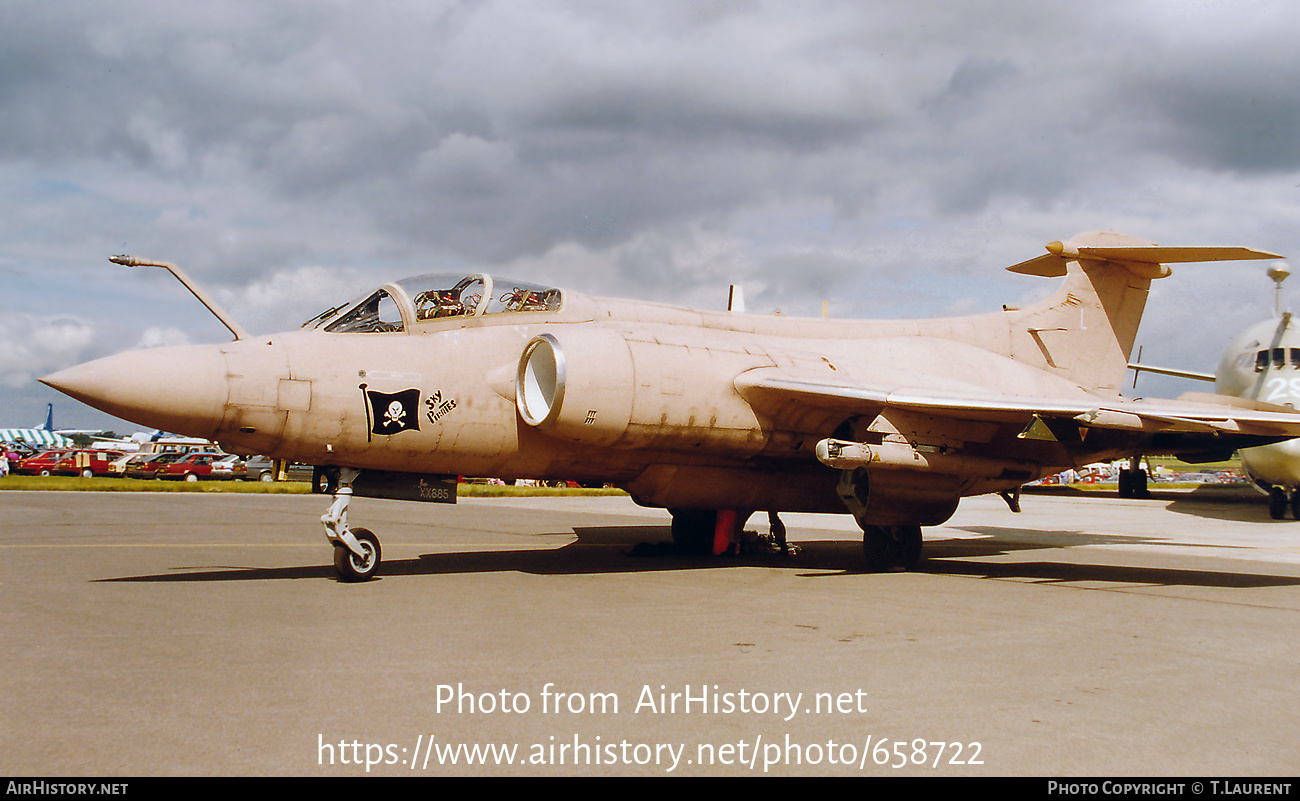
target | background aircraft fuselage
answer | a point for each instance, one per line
(1263, 363)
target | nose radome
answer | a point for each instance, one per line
(178, 389)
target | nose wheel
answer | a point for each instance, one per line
(356, 550)
(357, 567)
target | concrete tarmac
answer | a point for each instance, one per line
(205, 634)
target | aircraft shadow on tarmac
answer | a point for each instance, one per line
(1252, 510)
(609, 549)
(1211, 502)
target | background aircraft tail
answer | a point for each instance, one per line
(1085, 331)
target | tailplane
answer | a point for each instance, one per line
(1085, 331)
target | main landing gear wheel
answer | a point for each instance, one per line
(351, 567)
(693, 530)
(1277, 503)
(891, 549)
(1133, 484)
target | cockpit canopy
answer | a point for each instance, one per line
(396, 306)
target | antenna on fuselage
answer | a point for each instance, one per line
(736, 299)
(1279, 272)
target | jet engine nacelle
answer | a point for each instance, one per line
(582, 390)
(897, 497)
(599, 387)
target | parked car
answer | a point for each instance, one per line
(149, 466)
(86, 462)
(42, 464)
(193, 467)
(262, 468)
(118, 466)
(152, 449)
(229, 468)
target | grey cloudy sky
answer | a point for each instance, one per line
(891, 158)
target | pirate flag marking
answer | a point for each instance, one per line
(393, 412)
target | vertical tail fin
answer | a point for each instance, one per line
(1085, 331)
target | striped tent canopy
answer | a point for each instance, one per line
(34, 436)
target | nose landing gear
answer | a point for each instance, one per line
(356, 551)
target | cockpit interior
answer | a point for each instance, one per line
(397, 306)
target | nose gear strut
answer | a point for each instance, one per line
(356, 551)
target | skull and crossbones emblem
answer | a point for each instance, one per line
(395, 414)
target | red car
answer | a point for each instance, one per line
(86, 462)
(152, 464)
(42, 464)
(192, 467)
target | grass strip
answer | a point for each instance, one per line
(78, 484)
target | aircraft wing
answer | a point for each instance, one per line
(780, 393)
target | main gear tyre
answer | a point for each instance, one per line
(1277, 503)
(693, 530)
(891, 549)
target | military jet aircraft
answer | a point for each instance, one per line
(1262, 363)
(711, 415)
